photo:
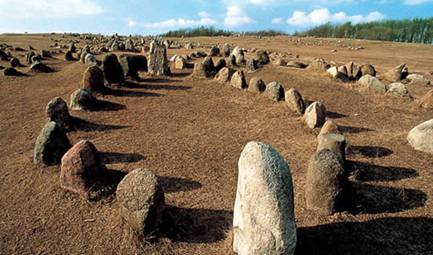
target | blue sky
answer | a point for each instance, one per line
(153, 16)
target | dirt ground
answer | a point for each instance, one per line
(191, 133)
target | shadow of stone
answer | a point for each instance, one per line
(84, 125)
(185, 74)
(177, 184)
(129, 93)
(105, 184)
(156, 86)
(375, 199)
(335, 115)
(103, 105)
(158, 80)
(366, 172)
(369, 151)
(196, 225)
(396, 235)
(116, 157)
(354, 130)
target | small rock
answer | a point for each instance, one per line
(294, 101)
(256, 85)
(238, 80)
(82, 99)
(372, 83)
(224, 75)
(421, 137)
(275, 91)
(315, 115)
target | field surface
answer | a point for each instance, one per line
(191, 132)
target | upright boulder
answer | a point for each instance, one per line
(264, 220)
(333, 142)
(256, 85)
(372, 83)
(93, 80)
(81, 167)
(132, 64)
(226, 50)
(141, 201)
(238, 80)
(427, 100)
(318, 65)
(224, 75)
(57, 111)
(158, 63)
(326, 182)
(69, 56)
(214, 51)
(368, 69)
(398, 89)
(113, 71)
(51, 144)
(396, 74)
(315, 115)
(262, 57)
(421, 137)
(275, 91)
(39, 67)
(294, 101)
(82, 99)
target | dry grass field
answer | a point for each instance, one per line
(191, 132)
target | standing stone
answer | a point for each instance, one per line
(368, 69)
(14, 62)
(200, 71)
(81, 167)
(264, 220)
(252, 65)
(82, 99)
(275, 91)
(113, 71)
(129, 45)
(330, 127)
(141, 201)
(226, 50)
(158, 63)
(220, 64)
(396, 74)
(256, 85)
(214, 51)
(421, 137)
(315, 115)
(93, 80)
(294, 101)
(325, 182)
(398, 89)
(72, 47)
(224, 75)
(262, 57)
(209, 66)
(90, 60)
(57, 111)
(69, 56)
(333, 142)
(132, 64)
(418, 79)
(427, 100)
(39, 67)
(51, 144)
(318, 65)
(180, 63)
(372, 83)
(238, 80)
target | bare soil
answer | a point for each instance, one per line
(191, 132)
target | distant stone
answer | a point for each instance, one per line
(51, 144)
(113, 71)
(325, 182)
(238, 80)
(69, 56)
(14, 62)
(81, 167)
(226, 50)
(180, 63)
(336, 74)
(82, 99)
(57, 111)
(214, 51)
(296, 64)
(319, 65)
(132, 64)
(275, 91)
(315, 115)
(398, 89)
(418, 79)
(209, 66)
(262, 57)
(10, 71)
(421, 137)
(220, 64)
(158, 63)
(264, 219)
(280, 62)
(368, 69)
(396, 74)
(372, 83)
(200, 71)
(39, 67)
(141, 201)
(224, 75)
(46, 53)
(294, 101)
(129, 45)
(72, 47)
(93, 80)
(256, 85)
(90, 60)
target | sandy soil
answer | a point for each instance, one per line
(191, 132)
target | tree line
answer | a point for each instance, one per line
(408, 30)
(212, 31)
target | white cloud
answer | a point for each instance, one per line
(132, 23)
(416, 2)
(322, 16)
(204, 14)
(48, 8)
(277, 21)
(235, 16)
(180, 23)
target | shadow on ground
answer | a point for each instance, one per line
(381, 236)
(117, 157)
(84, 125)
(369, 151)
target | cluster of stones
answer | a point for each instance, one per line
(32, 58)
